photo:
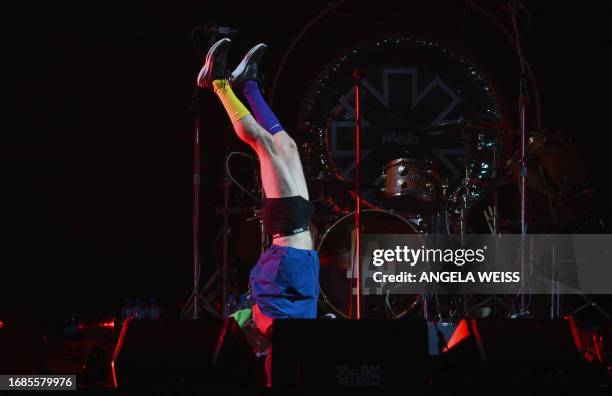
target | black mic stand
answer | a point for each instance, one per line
(195, 221)
(512, 8)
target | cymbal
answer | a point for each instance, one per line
(252, 211)
(464, 127)
(327, 178)
(329, 181)
(499, 181)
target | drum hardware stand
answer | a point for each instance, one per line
(464, 206)
(491, 215)
(223, 272)
(445, 209)
(495, 298)
(494, 213)
(555, 296)
(197, 295)
(228, 284)
(258, 215)
(425, 307)
(462, 223)
(466, 181)
(590, 303)
(590, 221)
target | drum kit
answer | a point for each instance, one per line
(417, 199)
(417, 196)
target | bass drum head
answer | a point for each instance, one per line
(335, 256)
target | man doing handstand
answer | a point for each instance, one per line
(284, 282)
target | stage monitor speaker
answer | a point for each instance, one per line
(185, 355)
(20, 347)
(483, 352)
(517, 339)
(349, 354)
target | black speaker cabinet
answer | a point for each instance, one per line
(526, 340)
(528, 354)
(20, 344)
(183, 355)
(349, 354)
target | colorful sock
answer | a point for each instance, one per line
(234, 107)
(263, 114)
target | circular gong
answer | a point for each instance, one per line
(407, 85)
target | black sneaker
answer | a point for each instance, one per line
(215, 64)
(247, 69)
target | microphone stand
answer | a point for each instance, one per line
(195, 221)
(356, 79)
(225, 245)
(196, 210)
(512, 8)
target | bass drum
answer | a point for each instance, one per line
(335, 255)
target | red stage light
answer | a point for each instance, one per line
(1, 324)
(575, 333)
(461, 333)
(104, 324)
(108, 325)
(118, 348)
(113, 373)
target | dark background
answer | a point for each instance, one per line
(97, 143)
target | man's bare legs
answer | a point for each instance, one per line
(281, 169)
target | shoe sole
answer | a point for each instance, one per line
(206, 67)
(245, 61)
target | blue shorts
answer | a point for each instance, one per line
(285, 283)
